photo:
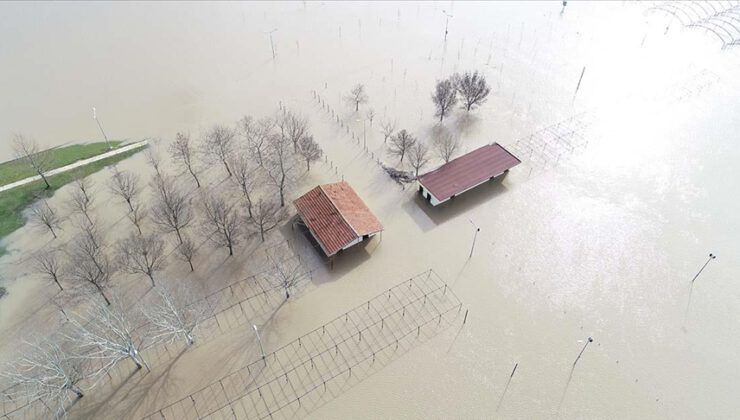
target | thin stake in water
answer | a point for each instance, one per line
(506, 387)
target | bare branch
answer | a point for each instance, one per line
(81, 200)
(418, 156)
(125, 185)
(184, 154)
(401, 143)
(171, 211)
(285, 271)
(266, 216)
(137, 216)
(177, 314)
(88, 263)
(310, 150)
(256, 134)
(43, 215)
(218, 145)
(473, 89)
(294, 127)
(444, 97)
(280, 165)
(248, 177)
(141, 254)
(357, 96)
(389, 127)
(445, 146)
(224, 220)
(48, 263)
(39, 160)
(186, 251)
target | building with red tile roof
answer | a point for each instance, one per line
(336, 217)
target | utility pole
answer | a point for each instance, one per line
(95, 117)
(272, 45)
(711, 257)
(447, 21)
(475, 236)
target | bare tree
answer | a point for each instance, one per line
(219, 145)
(171, 211)
(472, 87)
(27, 150)
(445, 146)
(125, 185)
(401, 143)
(138, 215)
(294, 127)
(389, 127)
(154, 158)
(81, 200)
(418, 156)
(141, 254)
(106, 333)
(48, 263)
(286, 272)
(223, 218)
(280, 165)
(186, 251)
(267, 215)
(177, 314)
(444, 97)
(43, 215)
(370, 116)
(88, 263)
(247, 176)
(357, 96)
(46, 371)
(183, 154)
(256, 134)
(310, 150)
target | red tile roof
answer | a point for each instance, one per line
(468, 171)
(336, 216)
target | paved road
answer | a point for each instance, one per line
(77, 164)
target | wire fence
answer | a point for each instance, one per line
(319, 365)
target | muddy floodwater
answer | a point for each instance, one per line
(627, 126)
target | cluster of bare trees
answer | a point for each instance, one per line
(403, 144)
(470, 88)
(61, 369)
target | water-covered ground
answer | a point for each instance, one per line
(596, 234)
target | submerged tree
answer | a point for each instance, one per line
(248, 177)
(445, 146)
(294, 127)
(219, 145)
(141, 254)
(357, 96)
(183, 154)
(401, 143)
(310, 150)
(444, 97)
(186, 251)
(223, 218)
(418, 156)
(48, 263)
(176, 315)
(107, 334)
(256, 134)
(137, 216)
(171, 211)
(81, 200)
(280, 165)
(47, 371)
(125, 185)
(286, 272)
(473, 89)
(43, 215)
(267, 215)
(28, 151)
(389, 127)
(88, 263)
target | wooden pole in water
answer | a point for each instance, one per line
(578, 86)
(590, 340)
(711, 257)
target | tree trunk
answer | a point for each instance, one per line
(151, 277)
(357, 106)
(191, 266)
(308, 165)
(228, 170)
(262, 234)
(77, 391)
(139, 229)
(194, 177)
(189, 338)
(179, 237)
(100, 289)
(130, 206)
(231, 249)
(52, 232)
(41, 174)
(441, 116)
(56, 280)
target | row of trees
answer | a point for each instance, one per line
(403, 144)
(470, 88)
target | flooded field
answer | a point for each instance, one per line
(628, 182)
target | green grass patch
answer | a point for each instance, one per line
(15, 170)
(12, 202)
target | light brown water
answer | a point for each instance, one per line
(602, 244)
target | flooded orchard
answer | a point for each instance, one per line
(624, 120)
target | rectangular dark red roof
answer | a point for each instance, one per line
(336, 216)
(468, 171)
